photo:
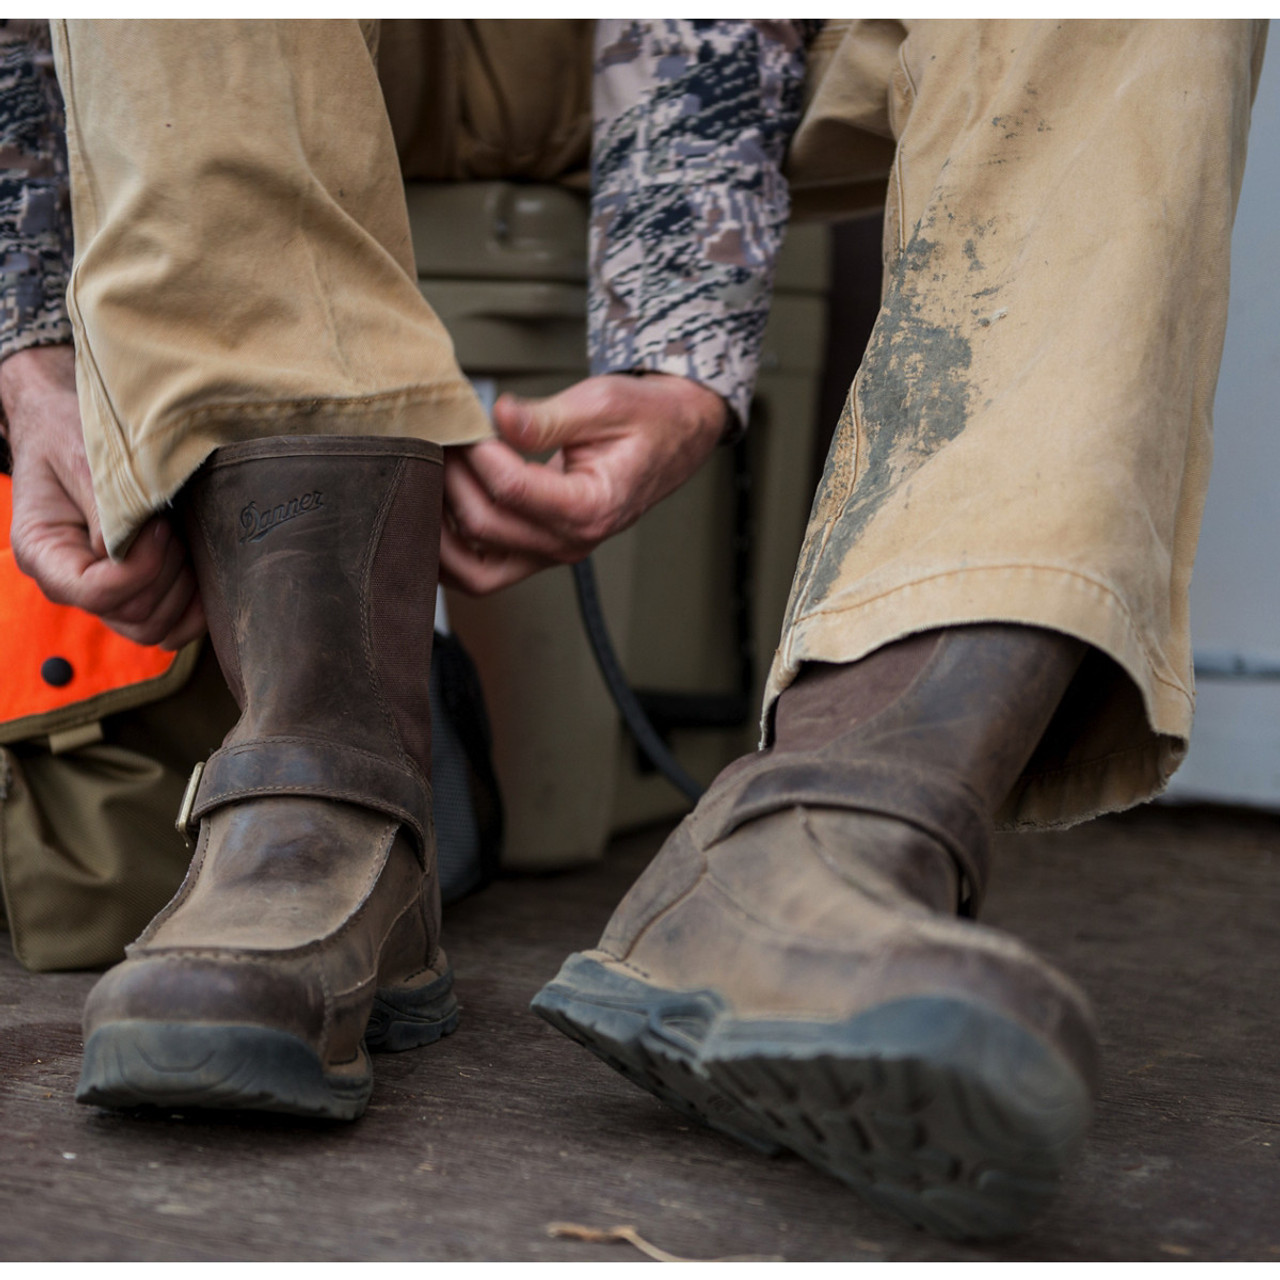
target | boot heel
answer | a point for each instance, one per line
(409, 1017)
(651, 1036)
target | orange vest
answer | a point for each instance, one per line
(60, 666)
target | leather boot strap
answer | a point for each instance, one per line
(941, 806)
(288, 766)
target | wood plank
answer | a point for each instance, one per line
(1169, 917)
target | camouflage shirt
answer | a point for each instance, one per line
(689, 205)
(35, 204)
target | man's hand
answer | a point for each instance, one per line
(150, 596)
(621, 444)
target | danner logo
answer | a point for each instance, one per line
(255, 524)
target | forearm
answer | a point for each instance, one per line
(29, 377)
(35, 207)
(689, 205)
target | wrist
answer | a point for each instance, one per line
(34, 373)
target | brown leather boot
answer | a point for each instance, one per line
(307, 930)
(794, 967)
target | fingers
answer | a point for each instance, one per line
(64, 564)
(156, 620)
(145, 597)
(151, 567)
(573, 501)
(621, 444)
(191, 626)
(480, 572)
(537, 426)
(150, 595)
(498, 501)
(594, 409)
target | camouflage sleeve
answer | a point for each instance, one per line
(35, 202)
(689, 205)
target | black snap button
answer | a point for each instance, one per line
(56, 671)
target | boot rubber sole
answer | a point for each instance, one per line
(941, 1110)
(136, 1063)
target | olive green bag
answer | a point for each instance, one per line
(88, 848)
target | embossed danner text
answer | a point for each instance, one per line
(256, 523)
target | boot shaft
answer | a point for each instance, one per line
(972, 700)
(317, 562)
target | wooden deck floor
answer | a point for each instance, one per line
(1169, 917)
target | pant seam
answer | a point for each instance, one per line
(910, 84)
(855, 415)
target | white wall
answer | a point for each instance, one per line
(1235, 592)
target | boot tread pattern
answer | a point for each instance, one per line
(943, 1112)
(213, 1066)
(634, 1040)
(252, 1068)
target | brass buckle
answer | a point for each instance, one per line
(183, 824)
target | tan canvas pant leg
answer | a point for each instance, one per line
(243, 259)
(1028, 437)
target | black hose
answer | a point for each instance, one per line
(646, 736)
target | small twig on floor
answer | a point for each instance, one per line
(629, 1235)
